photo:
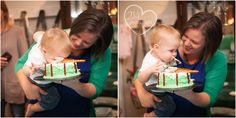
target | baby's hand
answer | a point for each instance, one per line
(171, 69)
(157, 68)
(35, 68)
(57, 60)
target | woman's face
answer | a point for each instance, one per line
(193, 42)
(82, 40)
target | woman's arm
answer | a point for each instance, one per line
(84, 89)
(99, 72)
(216, 73)
(31, 91)
(199, 99)
(146, 99)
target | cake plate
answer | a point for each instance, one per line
(153, 88)
(77, 75)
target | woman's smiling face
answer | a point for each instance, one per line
(83, 40)
(193, 42)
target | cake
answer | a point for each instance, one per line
(61, 71)
(179, 79)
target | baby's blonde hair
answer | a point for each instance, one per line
(158, 33)
(56, 37)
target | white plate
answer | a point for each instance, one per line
(60, 78)
(154, 88)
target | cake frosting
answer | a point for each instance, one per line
(174, 80)
(61, 70)
(180, 78)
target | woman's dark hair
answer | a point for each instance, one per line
(5, 11)
(210, 27)
(98, 22)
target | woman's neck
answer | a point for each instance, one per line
(77, 52)
(191, 59)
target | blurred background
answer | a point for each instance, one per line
(33, 16)
(133, 45)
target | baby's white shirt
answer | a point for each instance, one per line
(36, 57)
(149, 61)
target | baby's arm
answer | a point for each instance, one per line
(26, 70)
(143, 76)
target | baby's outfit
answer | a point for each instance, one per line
(167, 106)
(52, 98)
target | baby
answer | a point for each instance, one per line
(53, 45)
(164, 42)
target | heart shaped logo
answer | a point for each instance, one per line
(134, 13)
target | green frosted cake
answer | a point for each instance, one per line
(174, 80)
(61, 71)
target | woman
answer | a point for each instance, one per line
(90, 36)
(13, 41)
(201, 37)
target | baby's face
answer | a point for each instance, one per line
(167, 50)
(51, 56)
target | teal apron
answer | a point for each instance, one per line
(183, 106)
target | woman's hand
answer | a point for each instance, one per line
(146, 99)
(31, 91)
(201, 99)
(4, 62)
(84, 89)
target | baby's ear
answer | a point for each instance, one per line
(43, 50)
(156, 46)
(38, 36)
